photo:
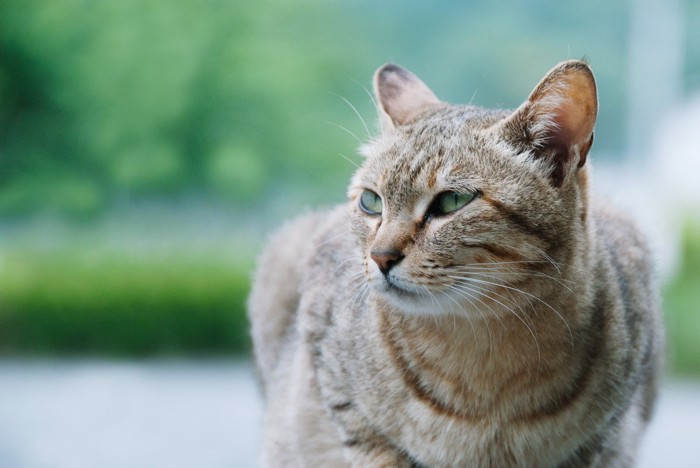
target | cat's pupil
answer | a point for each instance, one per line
(451, 201)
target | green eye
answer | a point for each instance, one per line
(371, 203)
(450, 201)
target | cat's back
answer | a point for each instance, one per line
(624, 250)
(620, 236)
(626, 267)
(275, 293)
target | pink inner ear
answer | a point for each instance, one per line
(556, 122)
(401, 94)
(575, 111)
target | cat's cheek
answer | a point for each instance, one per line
(364, 231)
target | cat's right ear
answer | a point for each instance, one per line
(400, 95)
(556, 122)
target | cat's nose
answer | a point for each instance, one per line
(385, 259)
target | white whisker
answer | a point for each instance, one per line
(349, 160)
(469, 296)
(478, 281)
(369, 93)
(514, 262)
(466, 314)
(549, 259)
(536, 274)
(357, 113)
(442, 309)
(332, 238)
(349, 259)
(348, 131)
(522, 320)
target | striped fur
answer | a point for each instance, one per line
(520, 330)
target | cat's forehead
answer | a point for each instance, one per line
(427, 154)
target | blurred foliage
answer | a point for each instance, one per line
(124, 100)
(682, 307)
(103, 103)
(76, 302)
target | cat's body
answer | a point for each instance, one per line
(413, 328)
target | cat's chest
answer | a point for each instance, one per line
(371, 376)
(366, 382)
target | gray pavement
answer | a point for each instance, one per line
(80, 414)
(127, 414)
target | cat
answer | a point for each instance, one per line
(471, 305)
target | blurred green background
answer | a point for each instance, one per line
(147, 147)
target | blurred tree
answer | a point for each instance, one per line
(103, 102)
(126, 98)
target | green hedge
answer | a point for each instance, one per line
(682, 307)
(72, 303)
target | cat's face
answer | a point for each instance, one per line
(453, 211)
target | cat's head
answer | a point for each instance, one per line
(457, 208)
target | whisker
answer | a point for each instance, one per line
(348, 131)
(349, 160)
(494, 274)
(466, 314)
(332, 238)
(478, 281)
(351, 258)
(473, 96)
(532, 333)
(442, 309)
(359, 296)
(514, 262)
(546, 255)
(468, 296)
(529, 274)
(357, 113)
(475, 296)
(371, 96)
(480, 292)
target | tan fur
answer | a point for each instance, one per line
(519, 330)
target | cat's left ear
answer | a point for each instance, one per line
(401, 96)
(556, 122)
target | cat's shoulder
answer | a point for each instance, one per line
(314, 225)
(620, 235)
(298, 239)
(281, 276)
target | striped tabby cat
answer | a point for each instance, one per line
(470, 306)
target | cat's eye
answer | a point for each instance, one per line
(450, 201)
(371, 203)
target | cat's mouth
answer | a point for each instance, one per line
(394, 287)
(407, 298)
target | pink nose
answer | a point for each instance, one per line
(385, 259)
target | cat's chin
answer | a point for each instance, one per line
(424, 303)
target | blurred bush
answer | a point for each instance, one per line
(240, 100)
(682, 307)
(77, 302)
(126, 100)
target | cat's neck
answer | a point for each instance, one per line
(474, 363)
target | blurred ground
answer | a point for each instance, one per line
(88, 414)
(199, 413)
